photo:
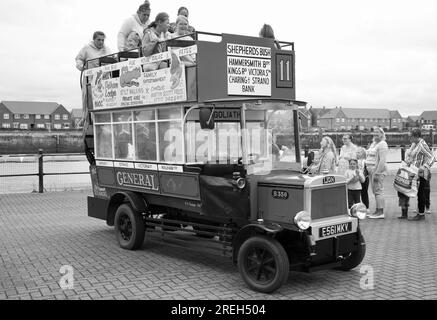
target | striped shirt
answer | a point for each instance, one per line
(420, 154)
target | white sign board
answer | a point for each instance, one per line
(249, 70)
(134, 87)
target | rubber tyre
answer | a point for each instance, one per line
(129, 228)
(356, 257)
(252, 266)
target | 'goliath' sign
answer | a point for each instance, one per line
(137, 179)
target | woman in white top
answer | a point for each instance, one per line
(376, 163)
(348, 151)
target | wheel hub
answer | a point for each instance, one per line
(125, 227)
(260, 265)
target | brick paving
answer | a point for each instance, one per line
(41, 233)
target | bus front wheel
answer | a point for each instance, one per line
(263, 264)
(129, 228)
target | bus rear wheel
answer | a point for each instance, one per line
(129, 228)
(263, 264)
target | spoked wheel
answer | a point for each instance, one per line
(263, 264)
(129, 228)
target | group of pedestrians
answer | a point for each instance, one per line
(368, 168)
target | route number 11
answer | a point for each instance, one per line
(284, 70)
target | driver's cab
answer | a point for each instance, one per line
(249, 134)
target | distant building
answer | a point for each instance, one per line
(395, 120)
(76, 118)
(316, 113)
(360, 119)
(26, 115)
(428, 117)
(305, 119)
(412, 122)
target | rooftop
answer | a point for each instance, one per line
(428, 115)
(76, 113)
(30, 107)
(360, 113)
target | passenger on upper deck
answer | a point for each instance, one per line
(95, 49)
(137, 22)
(153, 39)
(267, 32)
(133, 41)
(181, 33)
(183, 11)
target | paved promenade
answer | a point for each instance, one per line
(41, 233)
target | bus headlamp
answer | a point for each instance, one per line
(303, 220)
(359, 211)
(241, 183)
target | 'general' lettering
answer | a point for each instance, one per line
(141, 180)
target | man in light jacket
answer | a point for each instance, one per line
(135, 23)
(95, 49)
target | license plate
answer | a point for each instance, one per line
(335, 229)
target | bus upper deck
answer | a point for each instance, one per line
(226, 67)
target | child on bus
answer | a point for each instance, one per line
(133, 41)
(354, 178)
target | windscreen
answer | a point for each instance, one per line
(262, 137)
(270, 138)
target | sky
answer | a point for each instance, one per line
(354, 54)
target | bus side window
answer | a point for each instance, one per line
(123, 141)
(145, 137)
(104, 141)
(170, 141)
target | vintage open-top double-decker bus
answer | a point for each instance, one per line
(191, 147)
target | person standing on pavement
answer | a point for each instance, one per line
(361, 157)
(354, 178)
(348, 151)
(420, 156)
(376, 163)
(135, 23)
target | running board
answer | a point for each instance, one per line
(331, 265)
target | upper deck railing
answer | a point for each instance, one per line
(229, 67)
(137, 52)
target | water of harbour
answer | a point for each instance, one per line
(12, 165)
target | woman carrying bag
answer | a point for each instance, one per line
(419, 156)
